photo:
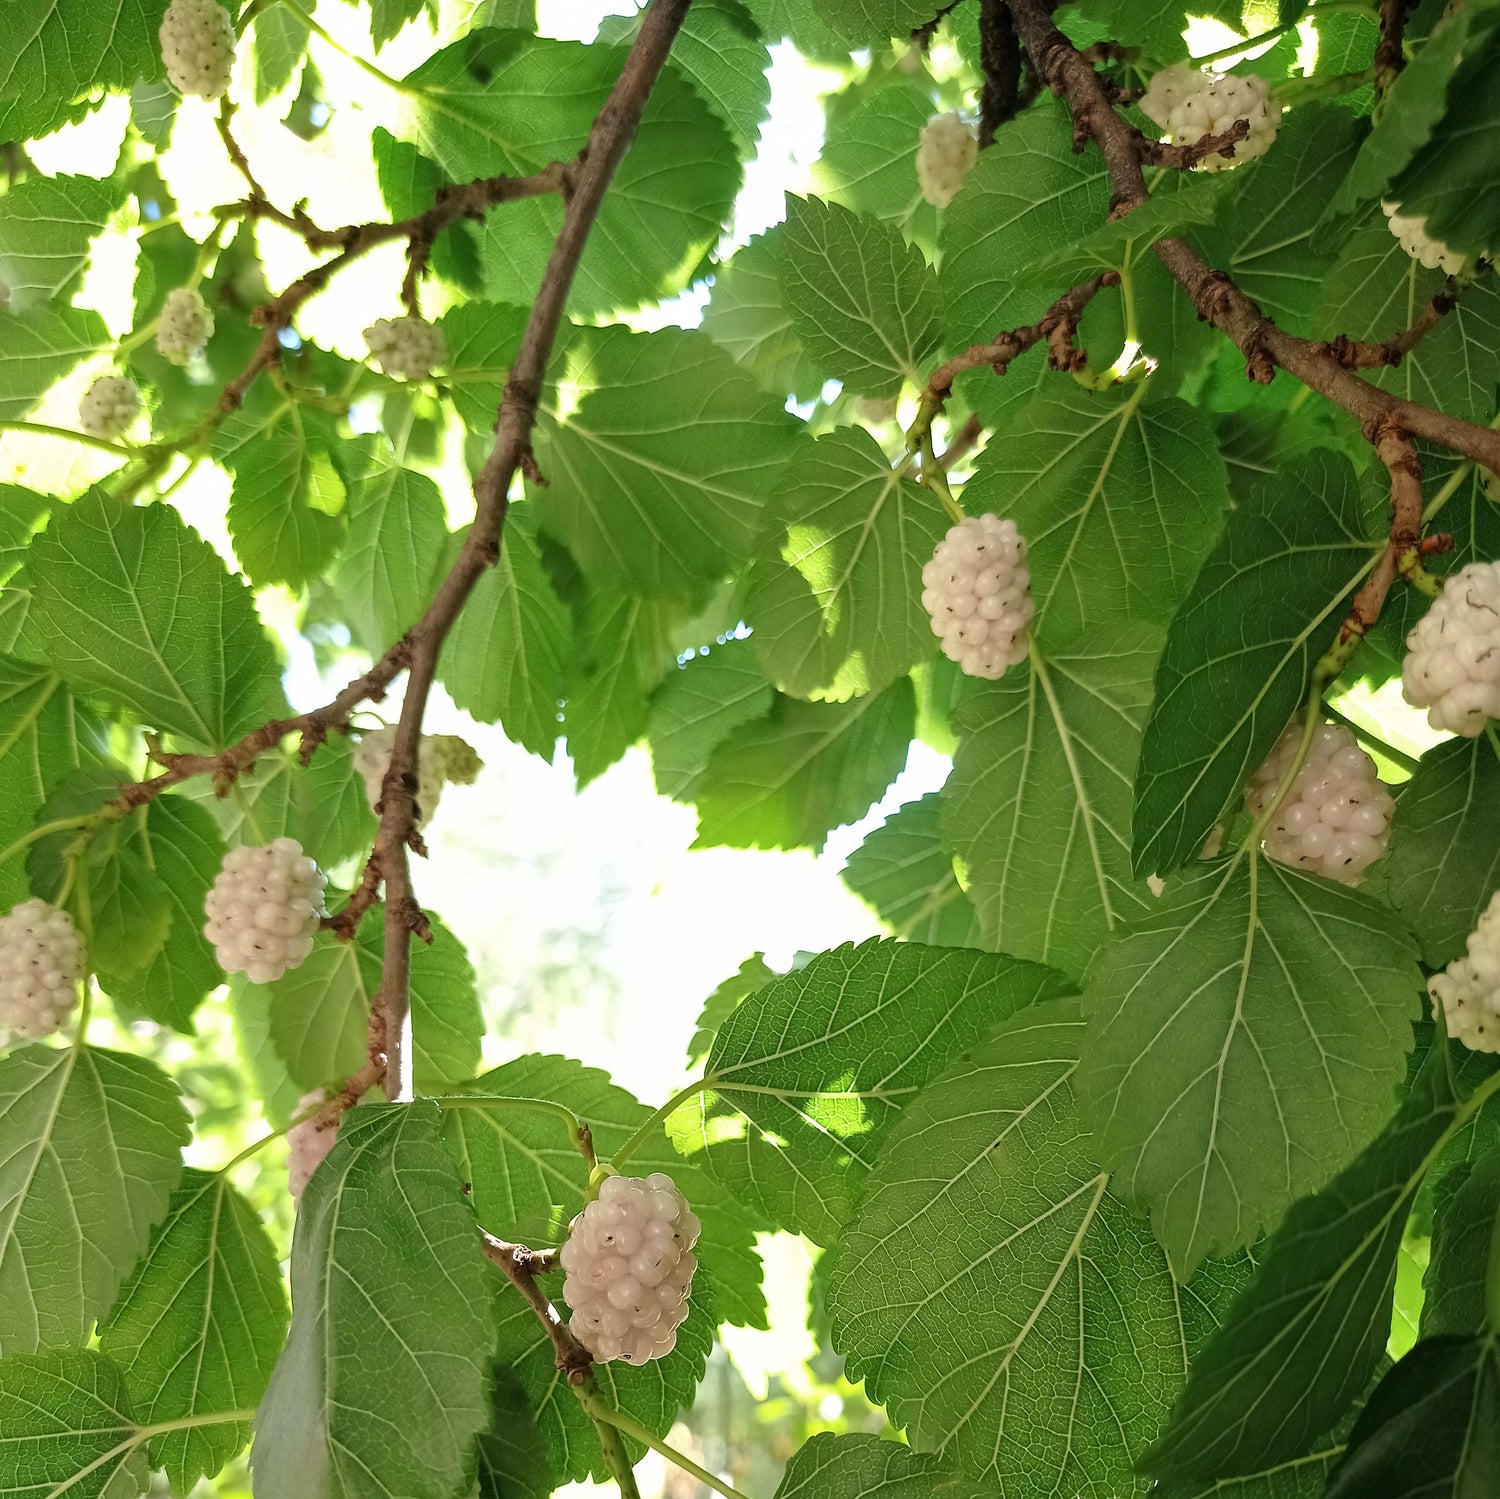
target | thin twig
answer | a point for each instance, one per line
(1057, 326)
(521, 1266)
(609, 140)
(1218, 299)
(1354, 354)
(1399, 455)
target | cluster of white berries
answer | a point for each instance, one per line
(1189, 104)
(263, 910)
(1469, 988)
(306, 1145)
(197, 47)
(629, 1266)
(184, 326)
(1452, 665)
(109, 406)
(440, 758)
(406, 348)
(41, 962)
(1419, 244)
(977, 588)
(1336, 819)
(946, 154)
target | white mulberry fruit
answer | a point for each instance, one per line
(1190, 104)
(263, 910)
(406, 347)
(1336, 819)
(440, 758)
(184, 326)
(629, 1266)
(306, 1145)
(197, 47)
(946, 154)
(1452, 665)
(109, 406)
(41, 962)
(977, 588)
(1421, 246)
(1469, 989)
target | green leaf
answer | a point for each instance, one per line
(280, 50)
(1263, 237)
(747, 318)
(1156, 26)
(1306, 1337)
(387, 17)
(133, 605)
(986, 1211)
(1074, 463)
(751, 975)
(199, 1325)
(320, 1010)
(397, 532)
(1241, 650)
(37, 350)
(66, 1428)
(113, 892)
(1432, 1427)
(1444, 859)
(502, 102)
(1463, 1228)
(528, 1180)
(698, 705)
(1375, 289)
(44, 733)
(789, 779)
(860, 22)
(720, 51)
(392, 1315)
(1039, 801)
(626, 646)
(184, 848)
(1246, 1039)
(860, 1466)
(835, 598)
(482, 339)
(283, 510)
(863, 302)
(1122, 241)
(46, 227)
(902, 871)
(1416, 104)
(869, 159)
(1451, 181)
(506, 658)
(62, 51)
(1027, 194)
(821, 1061)
(664, 505)
(513, 1459)
(322, 805)
(94, 1154)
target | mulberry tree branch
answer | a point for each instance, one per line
(1218, 299)
(609, 140)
